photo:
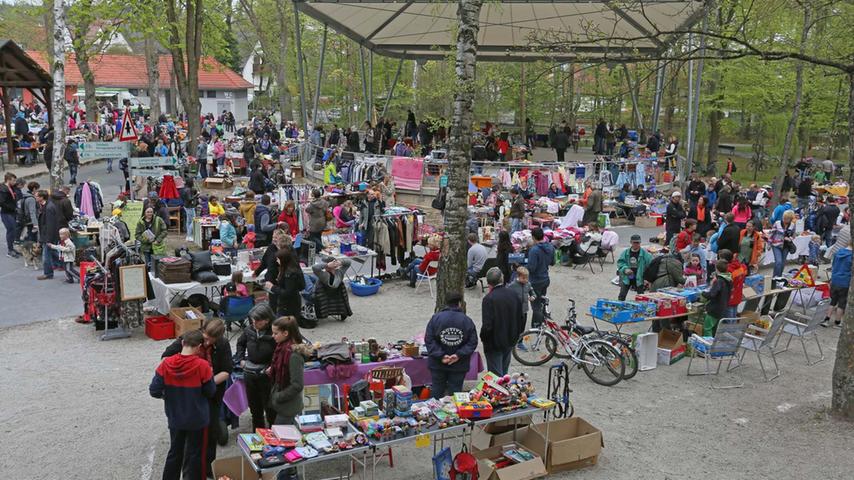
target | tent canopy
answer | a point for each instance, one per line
(17, 69)
(515, 30)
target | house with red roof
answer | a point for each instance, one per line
(220, 88)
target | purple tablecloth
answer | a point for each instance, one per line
(416, 368)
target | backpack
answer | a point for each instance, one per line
(21, 216)
(464, 466)
(439, 201)
(650, 274)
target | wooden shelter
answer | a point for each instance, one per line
(17, 69)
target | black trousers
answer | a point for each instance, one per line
(185, 455)
(560, 154)
(213, 434)
(258, 395)
(624, 289)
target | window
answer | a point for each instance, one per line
(133, 91)
(211, 93)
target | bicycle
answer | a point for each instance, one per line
(621, 341)
(600, 361)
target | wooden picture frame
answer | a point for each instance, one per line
(132, 282)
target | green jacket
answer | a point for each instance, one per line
(287, 400)
(158, 228)
(623, 263)
(669, 274)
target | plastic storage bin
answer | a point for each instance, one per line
(372, 287)
(159, 328)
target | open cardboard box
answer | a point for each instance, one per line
(183, 324)
(238, 468)
(533, 468)
(573, 443)
(481, 439)
(646, 222)
(507, 425)
(671, 348)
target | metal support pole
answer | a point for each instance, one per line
(659, 87)
(364, 82)
(696, 99)
(7, 119)
(391, 87)
(298, 35)
(319, 75)
(371, 86)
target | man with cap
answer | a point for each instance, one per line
(501, 311)
(631, 266)
(674, 216)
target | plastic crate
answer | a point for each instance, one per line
(614, 316)
(159, 328)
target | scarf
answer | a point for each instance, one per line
(206, 352)
(279, 366)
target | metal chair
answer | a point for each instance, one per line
(723, 346)
(490, 262)
(763, 341)
(426, 276)
(591, 254)
(803, 326)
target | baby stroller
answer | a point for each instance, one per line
(307, 311)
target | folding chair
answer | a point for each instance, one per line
(235, 310)
(490, 262)
(723, 346)
(610, 240)
(426, 276)
(762, 339)
(590, 254)
(803, 326)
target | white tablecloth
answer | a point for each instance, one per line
(168, 295)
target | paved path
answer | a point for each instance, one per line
(32, 300)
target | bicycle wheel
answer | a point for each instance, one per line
(602, 362)
(630, 356)
(535, 347)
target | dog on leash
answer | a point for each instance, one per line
(32, 253)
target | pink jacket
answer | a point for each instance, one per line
(742, 216)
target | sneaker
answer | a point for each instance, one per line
(44, 277)
(825, 323)
(70, 281)
(837, 324)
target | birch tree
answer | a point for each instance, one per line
(452, 269)
(58, 100)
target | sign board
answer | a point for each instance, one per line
(148, 162)
(90, 150)
(151, 172)
(128, 133)
(131, 214)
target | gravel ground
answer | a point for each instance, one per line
(91, 396)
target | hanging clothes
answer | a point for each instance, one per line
(168, 190)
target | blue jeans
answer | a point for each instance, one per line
(497, 361)
(50, 257)
(413, 271)
(779, 260)
(203, 170)
(189, 215)
(72, 172)
(109, 165)
(446, 382)
(516, 225)
(11, 230)
(732, 312)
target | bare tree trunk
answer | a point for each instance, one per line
(834, 133)
(796, 108)
(48, 22)
(58, 68)
(452, 270)
(189, 50)
(152, 61)
(842, 400)
(671, 97)
(81, 58)
(572, 95)
(284, 95)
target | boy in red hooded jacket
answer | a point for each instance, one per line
(738, 271)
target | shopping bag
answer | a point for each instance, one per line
(235, 398)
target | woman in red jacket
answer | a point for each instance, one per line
(422, 265)
(289, 216)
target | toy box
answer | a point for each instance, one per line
(479, 409)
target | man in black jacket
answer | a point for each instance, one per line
(256, 180)
(827, 217)
(696, 189)
(728, 240)
(451, 339)
(8, 208)
(674, 216)
(255, 353)
(502, 322)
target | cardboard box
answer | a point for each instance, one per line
(184, 324)
(507, 425)
(646, 222)
(671, 348)
(481, 439)
(218, 182)
(533, 468)
(573, 443)
(238, 468)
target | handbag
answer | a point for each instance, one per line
(789, 246)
